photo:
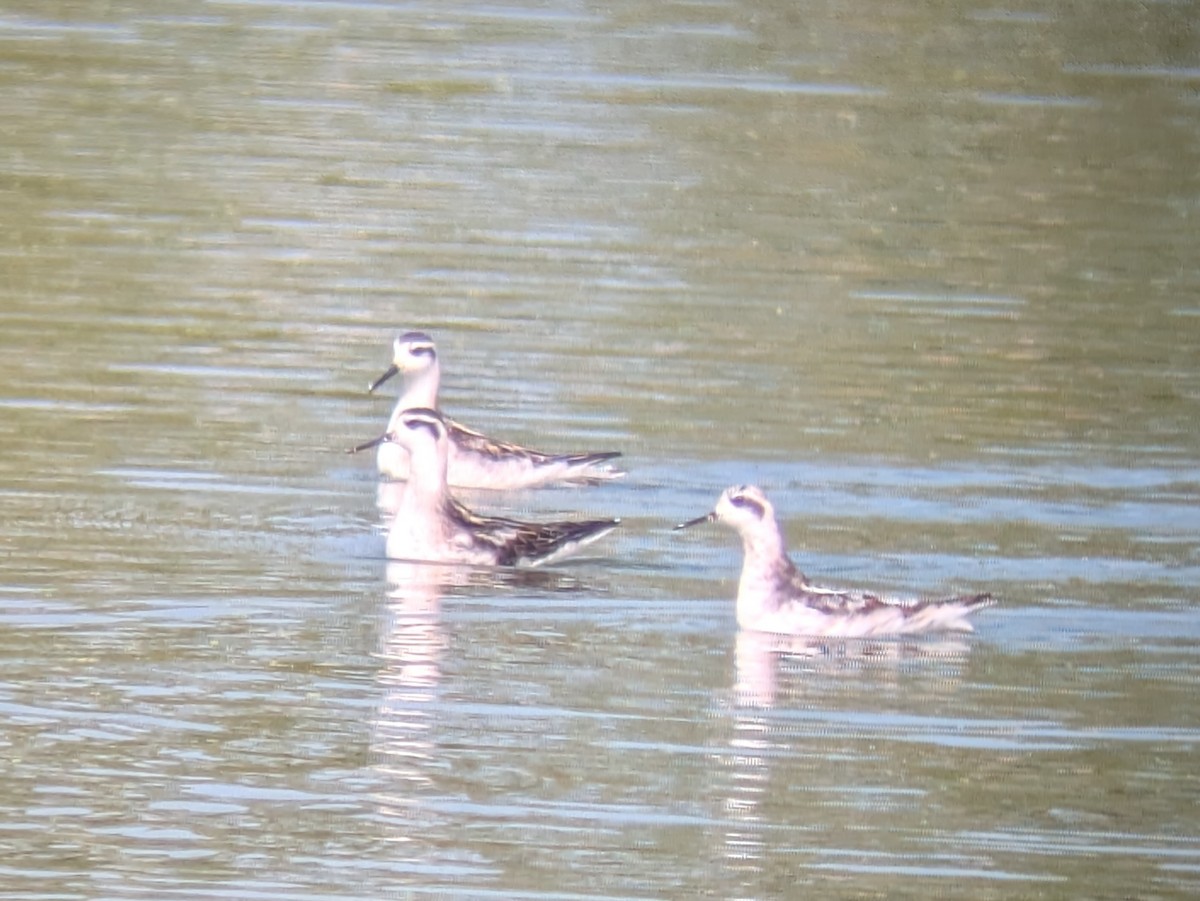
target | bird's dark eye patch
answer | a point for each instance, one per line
(423, 350)
(414, 424)
(740, 500)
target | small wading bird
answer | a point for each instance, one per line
(774, 596)
(474, 460)
(432, 526)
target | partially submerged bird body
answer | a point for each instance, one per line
(788, 603)
(460, 536)
(430, 525)
(476, 461)
(473, 459)
(775, 596)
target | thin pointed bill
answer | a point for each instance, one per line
(391, 371)
(707, 517)
(367, 445)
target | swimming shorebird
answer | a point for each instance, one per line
(775, 596)
(432, 526)
(475, 461)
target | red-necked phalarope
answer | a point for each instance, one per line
(774, 596)
(431, 526)
(475, 461)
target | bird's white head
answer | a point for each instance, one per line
(744, 507)
(413, 353)
(419, 429)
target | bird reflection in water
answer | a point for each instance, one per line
(415, 641)
(779, 672)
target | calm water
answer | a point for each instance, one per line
(928, 274)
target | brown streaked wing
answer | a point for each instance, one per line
(514, 541)
(538, 541)
(836, 602)
(477, 442)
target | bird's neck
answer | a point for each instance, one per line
(421, 389)
(764, 544)
(427, 476)
(766, 571)
(423, 515)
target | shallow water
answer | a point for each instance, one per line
(926, 275)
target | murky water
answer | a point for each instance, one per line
(927, 274)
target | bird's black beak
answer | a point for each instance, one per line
(374, 442)
(707, 517)
(391, 371)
